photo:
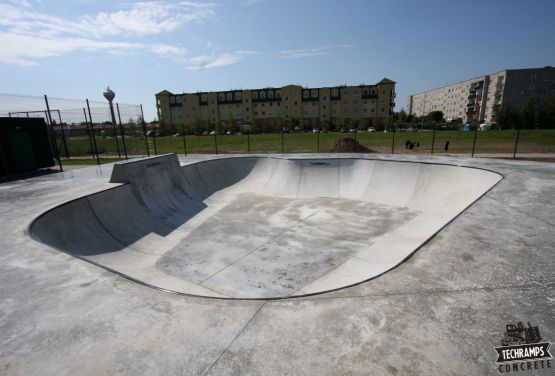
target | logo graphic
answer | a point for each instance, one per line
(522, 347)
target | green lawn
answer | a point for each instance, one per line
(531, 141)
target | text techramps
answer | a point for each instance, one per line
(261, 227)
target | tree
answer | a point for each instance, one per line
(435, 116)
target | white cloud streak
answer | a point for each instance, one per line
(309, 52)
(217, 60)
(27, 35)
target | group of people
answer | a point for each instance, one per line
(409, 145)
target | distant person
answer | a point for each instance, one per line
(417, 144)
(411, 146)
(407, 144)
(446, 146)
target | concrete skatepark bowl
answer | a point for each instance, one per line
(261, 227)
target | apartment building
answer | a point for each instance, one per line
(367, 105)
(479, 99)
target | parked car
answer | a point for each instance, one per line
(371, 129)
(344, 130)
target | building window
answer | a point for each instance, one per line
(305, 94)
(270, 94)
(262, 95)
(237, 96)
(229, 96)
(314, 93)
(221, 97)
(255, 94)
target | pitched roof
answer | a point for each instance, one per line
(164, 92)
(386, 81)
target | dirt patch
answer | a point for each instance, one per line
(349, 145)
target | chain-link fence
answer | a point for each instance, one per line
(83, 129)
(83, 132)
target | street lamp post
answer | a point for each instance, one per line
(110, 95)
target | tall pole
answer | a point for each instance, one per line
(248, 142)
(110, 95)
(282, 145)
(433, 138)
(122, 133)
(49, 118)
(516, 143)
(393, 141)
(474, 142)
(63, 134)
(144, 131)
(93, 151)
(184, 134)
(93, 135)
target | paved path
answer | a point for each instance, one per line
(441, 312)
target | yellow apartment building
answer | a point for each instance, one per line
(338, 106)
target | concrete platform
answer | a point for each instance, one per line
(440, 312)
(261, 227)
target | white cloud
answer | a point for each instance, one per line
(217, 60)
(308, 52)
(147, 18)
(25, 49)
(27, 35)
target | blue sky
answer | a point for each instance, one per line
(74, 49)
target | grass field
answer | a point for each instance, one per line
(530, 141)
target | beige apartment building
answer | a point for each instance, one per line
(479, 99)
(365, 105)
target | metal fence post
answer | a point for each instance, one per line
(93, 151)
(122, 133)
(154, 140)
(49, 118)
(248, 143)
(52, 125)
(433, 138)
(516, 143)
(216, 141)
(52, 137)
(282, 145)
(63, 134)
(144, 131)
(184, 135)
(393, 142)
(474, 142)
(93, 135)
(318, 142)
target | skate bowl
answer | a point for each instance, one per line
(260, 227)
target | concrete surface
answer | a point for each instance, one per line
(261, 227)
(441, 312)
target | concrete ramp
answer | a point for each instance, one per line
(261, 227)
